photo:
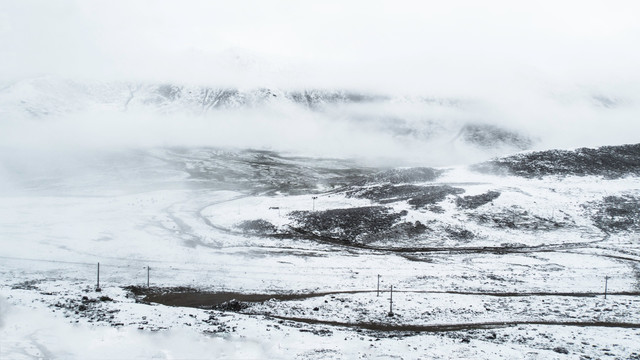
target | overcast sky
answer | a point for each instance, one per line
(448, 46)
(534, 67)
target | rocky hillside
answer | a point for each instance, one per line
(606, 161)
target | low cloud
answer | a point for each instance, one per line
(564, 75)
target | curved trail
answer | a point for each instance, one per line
(306, 235)
(206, 220)
(210, 300)
(402, 251)
(610, 256)
(194, 298)
(456, 327)
(451, 249)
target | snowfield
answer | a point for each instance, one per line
(515, 275)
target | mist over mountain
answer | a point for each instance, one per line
(334, 179)
(382, 128)
(407, 84)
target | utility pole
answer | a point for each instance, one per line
(314, 202)
(391, 303)
(275, 208)
(148, 276)
(98, 285)
(378, 292)
(606, 283)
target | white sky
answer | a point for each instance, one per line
(533, 66)
(445, 46)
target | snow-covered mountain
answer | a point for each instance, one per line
(47, 96)
(395, 119)
(253, 245)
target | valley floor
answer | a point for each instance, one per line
(511, 292)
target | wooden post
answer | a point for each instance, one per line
(378, 291)
(391, 303)
(314, 202)
(606, 283)
(148, 276)
(98, 284)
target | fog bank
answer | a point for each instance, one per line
(89, 74)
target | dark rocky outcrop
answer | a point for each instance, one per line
(607, 161)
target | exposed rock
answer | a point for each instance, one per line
(348, 224)
(410, 175)
(616, 213)
(231, 305)
(418, 196)
(433, 194)
(608, 161)
(561, 350)
(491, 136)
(257, 227)
(475, 201)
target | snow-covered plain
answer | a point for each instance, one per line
(177, 211)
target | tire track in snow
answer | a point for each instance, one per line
(456, 326)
